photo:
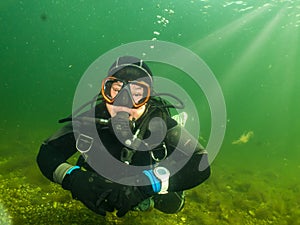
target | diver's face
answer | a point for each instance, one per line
(137, 94)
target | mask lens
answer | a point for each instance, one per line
(110, 88)
(139, 91)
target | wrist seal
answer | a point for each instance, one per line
(61, 171)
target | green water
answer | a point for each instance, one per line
(252, 47)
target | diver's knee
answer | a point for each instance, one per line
(207, 173)
(170, 203)
(204, 167)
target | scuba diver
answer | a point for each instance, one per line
(135, 127)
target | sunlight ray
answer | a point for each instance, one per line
(289, 58)
(224, 33)
(279, 91)
(242, 63)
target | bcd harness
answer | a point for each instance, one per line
(132, 142)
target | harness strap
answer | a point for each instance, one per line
(128, 153)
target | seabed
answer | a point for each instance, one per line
(231, 196)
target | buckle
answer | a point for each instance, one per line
(84, 143)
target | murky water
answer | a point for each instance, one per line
(252, 47)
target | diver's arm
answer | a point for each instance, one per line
(55, 151)
(191, 156)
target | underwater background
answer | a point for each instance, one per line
(252, 47)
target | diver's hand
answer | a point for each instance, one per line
(91, 189)
(101, 195)
(126, 198)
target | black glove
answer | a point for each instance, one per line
(91, 189)
(127, 197)
(101, 195)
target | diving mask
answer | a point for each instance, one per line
(131, 94)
